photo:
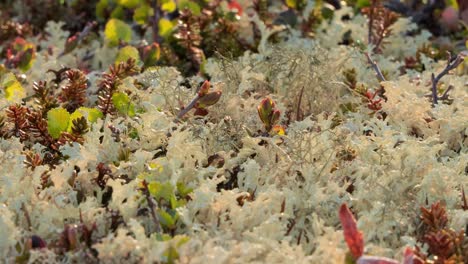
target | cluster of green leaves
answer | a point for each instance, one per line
(169, 198)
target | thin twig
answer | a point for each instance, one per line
(445, 94)
(465, 203)
(86, 30)
(376, 68)
(81, 35)
(151, 206)
(155, 21)
(188, 108)
(298, 115)
(273, 144)
(371, 22)
(452, 63)
(26, 215)
(290, 227)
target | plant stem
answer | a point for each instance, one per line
(371, 22)
(188, 108)
(26, 215)
(452, 63)
(376, 68)
(151, 206)
(298, 114)
(155, 21)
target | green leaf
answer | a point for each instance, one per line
(123, 104)
(453, 3)
(116, 30)
(57, 121)
(291, 3)
(129, 3)
(163, 237)
(118, 12)
(133, 134)
(161, 190)
(14, 92)
(174, 202)
(167, 220)
(101, 8)
(91, 114)
(362, 3)
(126, 53)
(168, 6)
(171, 254)
(183, 190)
(192, 6)
(75, 115)
(181, 239)
(142, 14)
(166, 27)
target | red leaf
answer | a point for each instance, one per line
(352, 235)
(235, 6)
(375, 260)
(411, 258)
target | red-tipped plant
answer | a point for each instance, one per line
(150, 54)
(269, 114)
(355, 241)
(353, 236)
(202, 100)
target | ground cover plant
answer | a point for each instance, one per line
(234, 131)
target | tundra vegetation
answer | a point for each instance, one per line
(233, 131)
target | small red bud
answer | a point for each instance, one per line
(265, 111)
(72, 237)
(275, 117)
(204, 88)
(150, 54)
(200, 112)
(24, 58)
(71, 43)
(37, 242)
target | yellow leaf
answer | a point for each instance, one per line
(278, 130)
(126, 53)
(168, 6)
(291, 3)
(165, 27)
(142, 13)
(192, 6)
(14, 92)
(91, 114)
(57, 121)
(123, 104)
(116, 30)
(129, 3)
